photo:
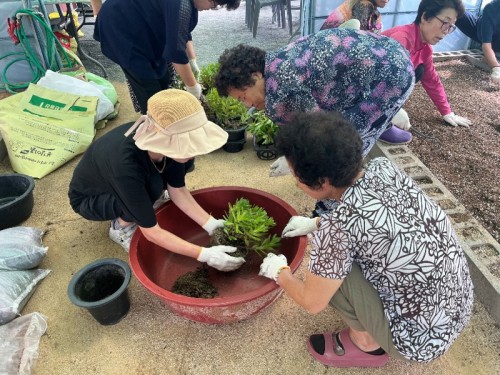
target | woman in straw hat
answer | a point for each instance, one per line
(151, 156)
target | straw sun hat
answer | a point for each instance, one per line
(176, 126)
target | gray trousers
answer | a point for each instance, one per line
(360, 306)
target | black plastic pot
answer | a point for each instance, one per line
(236, 146)
(101, 288)
(236, 140)
(16, 199)
(265, 152)
(235, 135)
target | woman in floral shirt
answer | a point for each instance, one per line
(387, 257)
(364, 76)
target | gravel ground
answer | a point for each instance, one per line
(466, 161)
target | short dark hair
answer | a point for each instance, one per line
(229, 4)
(321, 146)
(237, 65)
(431, 8)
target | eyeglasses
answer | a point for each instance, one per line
(446, 27)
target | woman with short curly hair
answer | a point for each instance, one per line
(386, 258)
(364, 76)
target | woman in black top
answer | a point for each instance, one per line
(121, 176)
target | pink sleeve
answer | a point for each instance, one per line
(433, 86)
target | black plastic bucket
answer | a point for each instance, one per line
(101, 288)
(16, 199)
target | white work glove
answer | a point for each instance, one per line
(495, 74)
(217, 257)
(455, 120)
(401, 120)
(212, 224)
(195, 90)
(272, 265)
(279, 168)
(194, 67)
(300, 226)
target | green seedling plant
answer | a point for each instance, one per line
(207, 76)
(263, 128)
(229, 112)
(249, 225)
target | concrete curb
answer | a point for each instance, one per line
(481, 249)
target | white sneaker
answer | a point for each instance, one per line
(164, 197)
(122, 236)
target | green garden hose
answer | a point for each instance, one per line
(37, 67)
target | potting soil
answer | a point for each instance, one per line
(195, 284)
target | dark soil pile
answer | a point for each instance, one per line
(195, 284)
(466, 161)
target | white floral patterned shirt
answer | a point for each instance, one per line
(407, 249)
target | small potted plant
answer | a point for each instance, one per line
(231, 115)
(264, 130)
(247, 228)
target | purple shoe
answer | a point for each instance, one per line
(396, 136)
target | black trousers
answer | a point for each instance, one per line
(142, 89)
(101, 207)
(419, 72)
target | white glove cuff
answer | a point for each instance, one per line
(202, 257)
(194, 90)
(210, 225)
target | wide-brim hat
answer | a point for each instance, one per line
(176, 126)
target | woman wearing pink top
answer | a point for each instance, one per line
(435, 19)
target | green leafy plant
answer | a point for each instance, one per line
(263, 128)
(207, 76)
(229, 112)
(248, 226)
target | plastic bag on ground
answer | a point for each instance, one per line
(19, 342)
(16, 288)
(21, 248)
(65, 83)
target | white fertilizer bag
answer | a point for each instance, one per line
(21, 248)
(16, 288)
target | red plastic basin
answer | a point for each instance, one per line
(242, 293)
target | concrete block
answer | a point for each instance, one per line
(451, 55)
(481, 249)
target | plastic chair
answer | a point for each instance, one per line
(280, 4)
